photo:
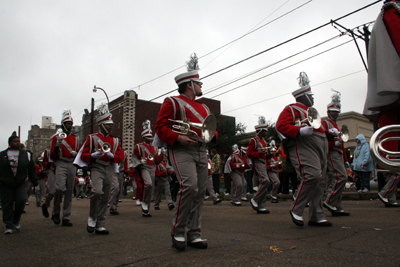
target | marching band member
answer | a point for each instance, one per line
(41, 173)
(210, 184)
(188, 156)
(64, 147)
(259, 154)
(103, 153)
(142, 158)
(307, 151)
(236, 165)
(50, 165)
(163, 175)
(79, 183)
(118, 183)
(336, 160)
(273, 172)
(382, 104)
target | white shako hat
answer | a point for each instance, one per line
(193, 71)
(66, 116)
(147, 129)
(262, 124)
(235, 148)
(105, 117)
(335, 104)
(304, 83)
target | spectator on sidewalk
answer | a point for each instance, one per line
(362, 163)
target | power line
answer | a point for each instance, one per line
(318, 54)
(315, 85)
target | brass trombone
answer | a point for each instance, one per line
(376, 148)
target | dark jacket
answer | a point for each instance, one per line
(25, 168)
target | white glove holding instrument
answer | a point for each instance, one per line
(110, 155)
(96, 155)
(306, 130)
(334, 131)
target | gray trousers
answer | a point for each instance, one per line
(389, 190)
(13, 201)
(337, 176)
(51, 188)
(40, 191)
(190, 165)
(238, 187)
(163, 183)
(148, 176)
(78, 190)
(210, 187)
(116, 190)
(261, 196)
(134, 186)
(274, 176)
(101, 177)
(65, 180)
(308, 155)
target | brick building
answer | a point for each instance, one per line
(129, 113)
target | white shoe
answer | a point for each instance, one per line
(226, 194)
(254, 203)
(17, 227)
(138, 202)
(244, 198)
(365, 190)
(359, 191)
(206, 197)
(145, 206)
(8, 231)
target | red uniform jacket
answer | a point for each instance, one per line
(285, 124)
(63, 153)
(252, 150)
(160, 172)
(237, 162)
(39, 169)
(167, 111)
(331, 140)
(92, 146)
(276, 167)
(140, 153)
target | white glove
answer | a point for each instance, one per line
(74, 153)
(110, 155)
(59, 141)
(338, 143)
(334, 131)
(96, 155)
(347, 165)
(306, 130)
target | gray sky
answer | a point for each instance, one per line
(53, 52)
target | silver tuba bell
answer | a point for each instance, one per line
(207, 128)
(376, 148)
(313, 118)
(344, 133)
(105, 147)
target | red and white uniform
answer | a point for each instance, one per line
(92, 145)
(69, 144)
(273, 172)
(260, 166)
(336, 171)
(238, 164)
(189, 163)
(308, 155)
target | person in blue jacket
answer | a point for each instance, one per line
(362, 163)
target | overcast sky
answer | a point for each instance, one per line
(52, 53)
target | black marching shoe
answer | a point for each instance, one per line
(179, 245)
(66, 223)
(392, 205)
(114, 212)
(322, 224)
(201, 244)
(102, 231)
(89, 229)
(45, 212)
(274, 200)
(56, 219)
(218, 200)
(340, 213)
(171, 206)
(156, 207)
(262, 211)
(146, 214)
(296, 221)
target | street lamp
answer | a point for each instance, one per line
(95, 90)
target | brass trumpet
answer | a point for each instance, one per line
(207, 128)
(105, 147)
(313, 118)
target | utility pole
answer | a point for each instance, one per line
(92, 116)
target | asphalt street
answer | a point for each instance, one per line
(237, 236)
